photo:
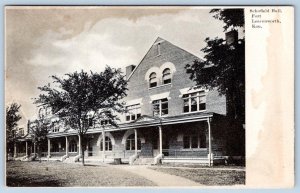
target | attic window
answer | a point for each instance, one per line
(167, 76)
(152, 80)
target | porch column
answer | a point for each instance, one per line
(103, 144)
(49, 155)
(67, 146)
(26, 146)
(135, 141)
(209, 143)
(15, 149)
(34, 148)
(160, 139)
(79, 143)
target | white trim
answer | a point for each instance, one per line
(128, 133)
(189, 90)
(160, 96)
(165, 65)
(134, 102)
(107, 134)
(169, 84)
(150, 71)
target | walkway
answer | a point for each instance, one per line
(159, 178)
(206, 168)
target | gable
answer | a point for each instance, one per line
(160, 52)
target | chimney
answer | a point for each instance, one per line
(129, 70)
(231, 37)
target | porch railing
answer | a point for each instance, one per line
(185, 153)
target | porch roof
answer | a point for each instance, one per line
(146, 121)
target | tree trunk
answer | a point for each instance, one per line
(82, 151)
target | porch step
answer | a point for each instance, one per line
(144, 161)
(69, 159)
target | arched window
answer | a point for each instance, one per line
(130, 143)
(167, 76)
(108, 145)
(73, 146)
(152, 80)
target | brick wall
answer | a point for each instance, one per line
(139, 87)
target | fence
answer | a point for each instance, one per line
(185, 153)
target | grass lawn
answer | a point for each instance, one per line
(57, 174)
(206, 176)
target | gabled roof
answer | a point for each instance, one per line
(158, 39)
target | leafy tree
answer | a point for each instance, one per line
(223, 68)
(233, 18)
(12, 119)
(80, 97)
(38, 131)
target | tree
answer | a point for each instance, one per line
(38, 131)
(223, 68)
(233, 18)
(12, 119)
(80, 97)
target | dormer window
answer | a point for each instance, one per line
(41, 113)
(152, 80)
(166, 76)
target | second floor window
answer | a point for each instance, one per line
(21, 131)
(105, 122)
(133, 112)
(194, 102)
(166, 76)
(160, 107)
(152, 80)
(89, 122)
(55, 127)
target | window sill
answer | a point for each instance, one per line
(162, 85)
(193, 149)
(194, 112)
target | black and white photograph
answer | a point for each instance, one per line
(125, 96)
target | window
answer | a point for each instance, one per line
(152, 80)
(48, 110)
(130, 143)
(73, 146)
(41, 112)
(194, 102)
(160, 107)
(194, 141)
(105, 122)
(133, 112)
(108, 145)
(55, 126)
(88, 122)
(21, 131)
(167, 76)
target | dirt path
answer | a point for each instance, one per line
(159, 178)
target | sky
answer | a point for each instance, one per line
(45, 41)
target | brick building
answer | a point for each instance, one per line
(168, 119)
